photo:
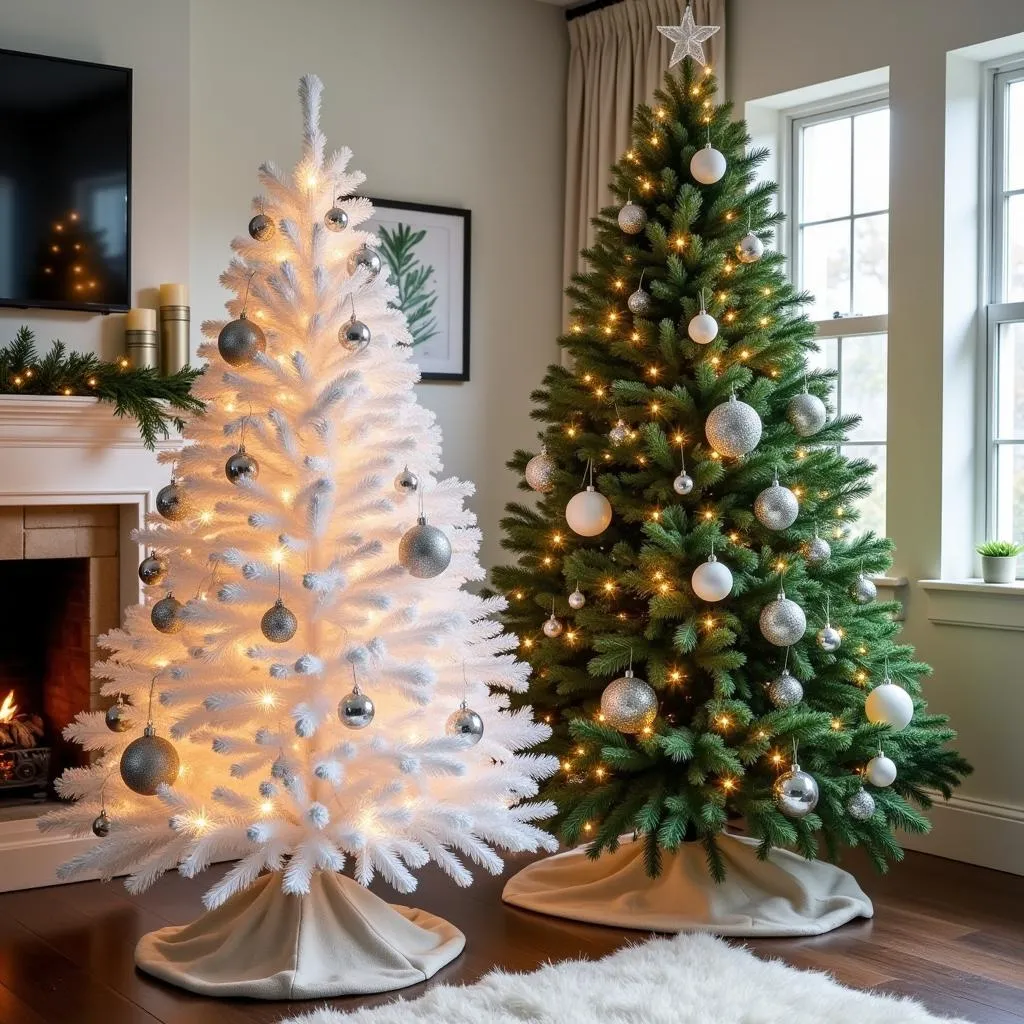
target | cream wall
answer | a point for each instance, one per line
(457, 102)
(791, 44)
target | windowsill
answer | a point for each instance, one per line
(975, 586)
(972, 602)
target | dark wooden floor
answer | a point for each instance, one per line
(947, 933)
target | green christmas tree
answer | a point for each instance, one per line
(695, 628)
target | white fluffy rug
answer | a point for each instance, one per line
(689, 979)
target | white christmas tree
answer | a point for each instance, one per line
(308, 688)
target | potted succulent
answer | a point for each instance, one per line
(999, 560)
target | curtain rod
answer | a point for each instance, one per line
(595, 5)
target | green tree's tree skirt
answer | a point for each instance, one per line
(717, 744)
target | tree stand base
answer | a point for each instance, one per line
(785, 895)
(337, 940)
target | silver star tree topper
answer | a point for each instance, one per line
(688, 37)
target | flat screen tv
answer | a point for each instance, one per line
(65, 183)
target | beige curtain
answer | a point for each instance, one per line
(617, 59)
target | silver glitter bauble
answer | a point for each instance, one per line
(101, 825)
(639, 302)
(619, 433)
(149, 762)
(540, 472)
(153, 570)
(354, 335)
(240, 341)
(166, 615)
(776, 507)
(552, 627)
(173, 503)
(683, 483)
(336, 219)
(818, 551)
(425, 551)
(261, 227)
(786, 691)
(577, 599)
(750, 248)
(880, 771)
(829, 638)
(806, 414)
(632, 218)
(864, 590)
(465, 722)
(279, 624)
(241, 466)
(407, 482)
(733, 428)
(783, 622)
(116, 718)
(629, 704)
(366, 258)
(355, 709)
(861, 805)
(795, 792)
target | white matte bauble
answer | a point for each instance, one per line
(632, 218)
(783, 622)
(795, 792)
(540, 471)
(711, 581)
(683, 484)
(707, 165)
(552, 627)
(881, 771)
(750, 248)
(829, 638)
(776, 507)
(703, 328)
(588, 513)
(861, 806)
(577, 599)
(864, 590)
(629, 704)
(889, 704)
(806, 414)
(733, 428)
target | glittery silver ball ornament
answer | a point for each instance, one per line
(366, 258)
(629, 704)
(173, 503)
(577, 599)
(149, 762)
(829, 638)
(861, 805)
(683, 484)
(101, 825)
(279, 624)
(552, 627)
(783, 622)
(619, 433)
(166, 615)
(632, 218)
(818, 551)
(261, 227)
(355, 709)
(776, 507)
(240, 341)
(864, 590)
(241, 466)
(336, 219)
(795, 792)
(639, 302)
(424, 550)
(153, 570)
(880, 771)
(540, 472)
(116, 718)
(354, 335)
(407, 482)
(786, 691)
(806, 414)
(750, 248)
(733, 428)
(465, 722)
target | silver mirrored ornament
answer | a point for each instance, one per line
(577, 599)
(407, 482)
(806, 414)
(153, 570)
(116, 717)
(240, 341)
(629, 704)
(261, 228)
(149, 762)
(355, 709)
(864, 590)
(795, 792)
(818, 551)
(241, 466)
(173, 503)
(465, 722)
(166, 615)
(354, 335)
(776, 507)
(424, 550)
(335, 219)
(365, 258)
(540, 472)
(619, 433)
(683, 484)
(279, 624)
(750, 248)
(632, 218)
(786, 691)
(101, 825)
(783, 622)
(552, 627)
(861, 805)
(829, 638)
(639, 302)
(733, 428)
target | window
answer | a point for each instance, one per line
(1005, 308)
(839, 217)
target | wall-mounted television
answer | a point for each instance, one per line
(65, 183)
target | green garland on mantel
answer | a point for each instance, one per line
(144, 395)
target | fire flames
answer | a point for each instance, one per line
(8, 709)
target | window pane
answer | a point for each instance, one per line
(1010, 382)
(825, 267)
(871, 265)
(1010, 493)
(825, 175)
(1015, 135)
(862, 384)
(1013, 275)
(872, 508)
(871, 161)
(827, 356)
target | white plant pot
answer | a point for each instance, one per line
(999, 568)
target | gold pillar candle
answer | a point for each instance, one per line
(140, 345)
(174, 328)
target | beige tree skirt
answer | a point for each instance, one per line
(785, 895)
(337, 940)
